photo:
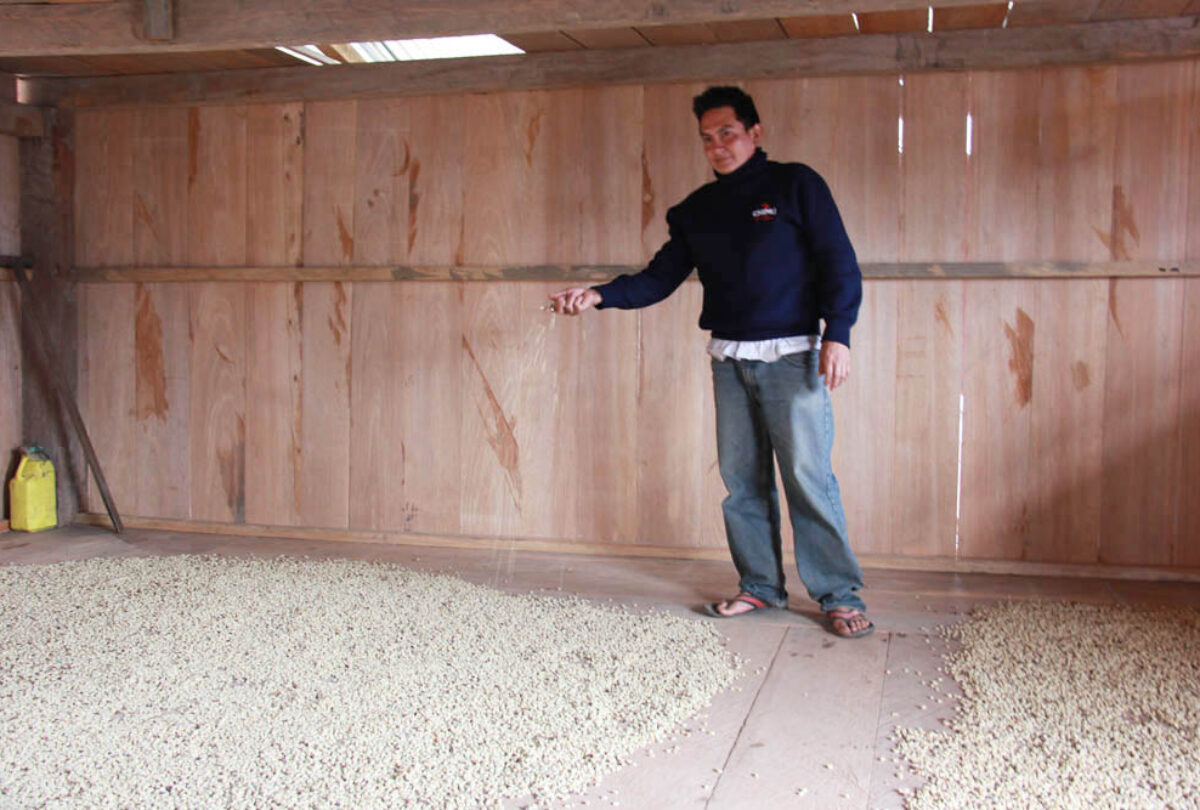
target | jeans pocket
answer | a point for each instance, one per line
(802, 360)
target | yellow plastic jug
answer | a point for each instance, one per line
(32, 494)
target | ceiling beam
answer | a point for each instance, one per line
(56, 29)
(1082, 43)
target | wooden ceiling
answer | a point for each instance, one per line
(986, 15)
(73, 58)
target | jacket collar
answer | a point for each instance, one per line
(756, 163)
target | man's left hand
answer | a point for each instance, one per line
(835, 363)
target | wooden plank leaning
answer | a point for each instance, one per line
(41, 345)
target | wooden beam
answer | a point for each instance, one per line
(1079, 43)
(114, 27)
(158, 20)
(10, 214)
(600, 273)
(22, 120)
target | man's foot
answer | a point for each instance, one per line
(849, 622)
(739, 605)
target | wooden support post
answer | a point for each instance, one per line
(21, 120)
(158, 20)
(47, 231)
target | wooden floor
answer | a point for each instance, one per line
(810, 723)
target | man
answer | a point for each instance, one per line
(774, 261)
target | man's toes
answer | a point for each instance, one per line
(848, 622)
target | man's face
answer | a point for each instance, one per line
(727, 142)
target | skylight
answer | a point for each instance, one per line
(308, 53)
(404, 50)
(450, 47)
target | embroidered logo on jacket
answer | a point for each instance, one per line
(765, 212)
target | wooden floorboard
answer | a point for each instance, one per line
(685, 770)
(808, 739)
(909, 699)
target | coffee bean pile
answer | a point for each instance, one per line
(1067, 706)
(206, 682)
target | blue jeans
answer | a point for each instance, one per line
(782, 408)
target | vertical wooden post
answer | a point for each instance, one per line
(158, 20)
(48, 232)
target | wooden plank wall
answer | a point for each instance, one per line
(1023, 419)
(10, 318)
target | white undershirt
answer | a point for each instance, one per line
(768, 351)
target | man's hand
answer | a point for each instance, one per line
(835, 363)
(574, 300)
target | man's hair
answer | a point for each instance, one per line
(735, 97)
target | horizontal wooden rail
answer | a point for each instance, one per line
(598, 273)
(869, 561)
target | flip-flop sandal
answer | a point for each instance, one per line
(756, 604)
(845, 616)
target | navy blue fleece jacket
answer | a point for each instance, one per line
(771, 252)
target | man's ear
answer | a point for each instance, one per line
(756, 133)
